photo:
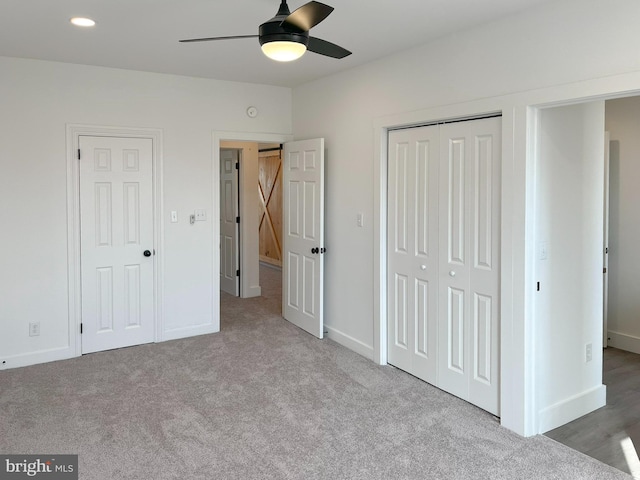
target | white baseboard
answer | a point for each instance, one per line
(65, 353)
(33, 358)
(251, 292)
(574, 407)
(185, 332)
(624, 341)
(349, 342)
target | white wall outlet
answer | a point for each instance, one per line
(201, 215)
(360, 220)
(589, 352)
(34, 329)
(174, 216)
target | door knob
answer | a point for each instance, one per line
(147, 253)
(452, 273)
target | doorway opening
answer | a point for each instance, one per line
(250, 194)
(611, 433)
(302, 223)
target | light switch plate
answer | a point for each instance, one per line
(174, 216)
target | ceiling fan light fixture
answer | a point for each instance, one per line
(283, 51)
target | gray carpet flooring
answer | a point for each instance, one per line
(262, 400)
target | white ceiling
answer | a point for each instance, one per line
(143, 34)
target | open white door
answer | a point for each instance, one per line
(303, 234)
(229, 222)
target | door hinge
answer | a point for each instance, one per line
(538, 287)
(237, 273)
(237, 219)
(237, 165)
(604, 270)
(78, 154)
(81, 329)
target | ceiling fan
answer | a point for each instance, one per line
(286, 36)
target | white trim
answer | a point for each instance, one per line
(624, 341)
(574, 407)
(40, 356)
(349, 342)
(252, 291)
(190, 331)
(74, 132)
(220, 136)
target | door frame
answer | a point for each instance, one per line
(74, 131)
(511, 404)
(217, 138)
(605, 253)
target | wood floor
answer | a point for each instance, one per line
(612, 433)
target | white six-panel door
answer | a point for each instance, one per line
(470, 261)
(413, 250)
(443, 257)
(116, 214)
(229, 245)
(303, 234)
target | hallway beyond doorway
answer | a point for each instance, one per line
(611, 434)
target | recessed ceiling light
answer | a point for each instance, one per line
(82, 22)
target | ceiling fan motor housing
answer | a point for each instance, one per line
(274, 31)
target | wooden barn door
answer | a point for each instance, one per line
(270, 195)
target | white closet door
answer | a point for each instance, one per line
(443, 257)
(413, 251)
(469, 282)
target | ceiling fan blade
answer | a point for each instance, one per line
(307, 16)
(317, 45)
(216, 38)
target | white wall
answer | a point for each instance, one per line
(526, 59)
(569, 240)
(623, 122)
(544, 47)
(37, 100)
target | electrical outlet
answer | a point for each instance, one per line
(34, 329)
(360, 220)
(589, 352)
(201, 215)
